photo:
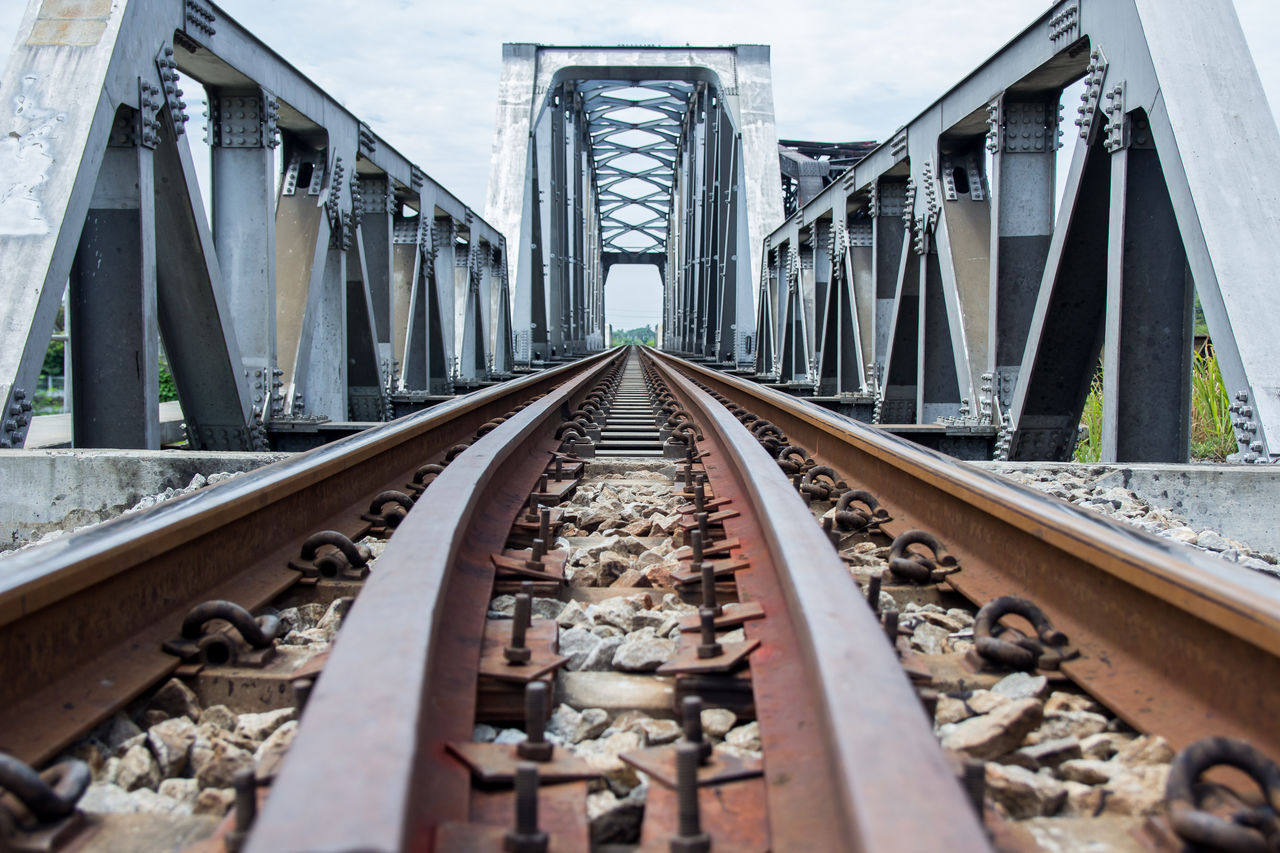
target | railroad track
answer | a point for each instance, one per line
(592, 614)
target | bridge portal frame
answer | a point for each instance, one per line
(725, 198)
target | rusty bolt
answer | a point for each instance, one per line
(689, 838)
(709, 647)
(891, 625)
(873, 591)
(526, 837)
(535, 748)
(517, 652)
(246, 810)
(691, 711)
(536, 553)
(709, 588)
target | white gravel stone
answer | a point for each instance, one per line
(994, 734)
(1021, 685)
(642, 651)
(1211, 540)
(601, 657)
(176, 699)
(1024, 794)
(220, 716)
(1060, 724)
(745, 737)
(217, 767)
(107, 798)
(577, 644)
(170, 742)
(258, 727)
(510, 736)
(138, 769)
(717, 722)
(182, 790)
(272, 751)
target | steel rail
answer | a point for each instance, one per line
(851, 761)
(368, 769)
(82, 618)
(1173, 643)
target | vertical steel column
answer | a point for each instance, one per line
(558, 297)
(859, 257)
(377, 214)
(1023, 171)
(113, 301)
(444, 244)
(243, 170)
(888, 203)
(1146, 414)
(937, 392)
(820, 241)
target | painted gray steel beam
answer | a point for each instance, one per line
(224, 395)
(114, 275)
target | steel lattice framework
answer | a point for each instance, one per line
(936, 281)
(333, 280)
(635, 133)
(654, 155)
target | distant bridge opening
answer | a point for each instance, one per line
(633, 297)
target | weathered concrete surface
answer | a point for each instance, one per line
(44, 490)
(1242, 502)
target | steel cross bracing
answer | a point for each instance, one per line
(334, 280)
(609, 155)
(935, 282)
(635, 133)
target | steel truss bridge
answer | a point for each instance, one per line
(934, 282)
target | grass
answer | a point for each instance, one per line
(1212, 437)
(1089, 447)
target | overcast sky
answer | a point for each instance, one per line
(424, 75)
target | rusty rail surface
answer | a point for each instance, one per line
(402, 682)
(82, 618)
(837, 712)
(1173, 643)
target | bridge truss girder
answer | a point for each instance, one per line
(332, 274)
(935, 280)
(606, 155)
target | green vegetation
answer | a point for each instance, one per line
(1089, 447)
(643, 336)
(168, 391)
(1212, 437)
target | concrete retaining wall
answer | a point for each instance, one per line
(45, 490)
(1242, 502)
